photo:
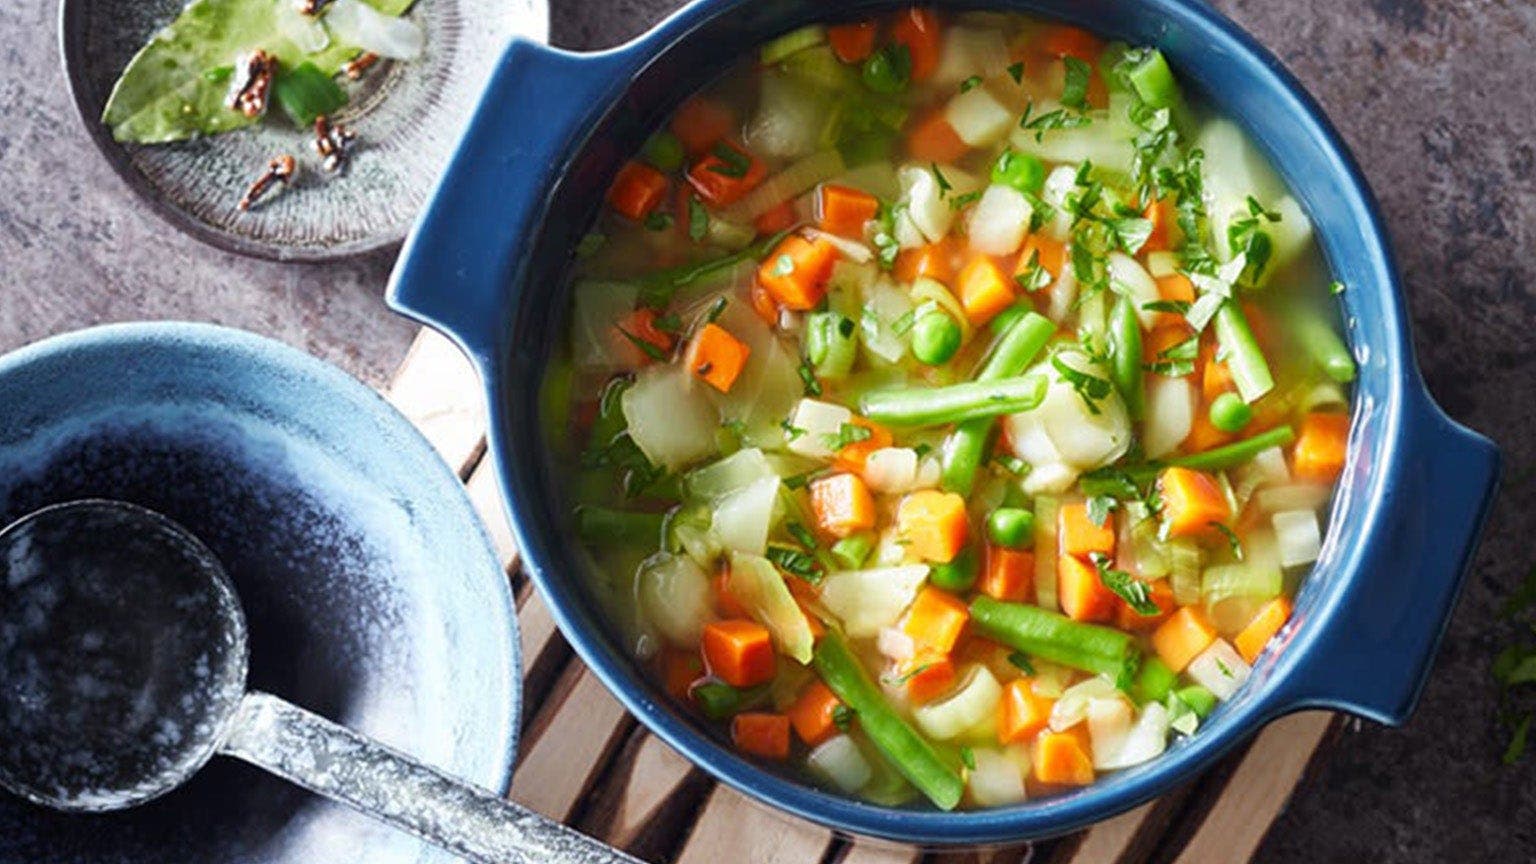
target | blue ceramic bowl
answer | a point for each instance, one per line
(373, 596)
(486, 264)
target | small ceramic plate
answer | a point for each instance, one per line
(407, 117)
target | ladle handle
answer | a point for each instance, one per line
(344, 766)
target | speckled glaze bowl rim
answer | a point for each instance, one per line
(242, 347)
(116, 155)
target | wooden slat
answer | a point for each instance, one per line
(1258, 790)
(734, 830)
(545, 652)
(644, 795)
(436, 389)
(993, 855)
(568, 744)
(1112, 841)
(879, 852)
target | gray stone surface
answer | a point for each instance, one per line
(1434, 96)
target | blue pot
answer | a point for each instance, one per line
(372, 595)
(487, 265)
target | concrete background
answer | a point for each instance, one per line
(1435, 98)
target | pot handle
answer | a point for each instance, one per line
(1375, 646)
(466, 247)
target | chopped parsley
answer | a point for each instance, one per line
(908, 675)
(1032, 276)
(1177, 360)
(795, 562)
(731, 162)
(1172, 307)
(1016, 72)
(849, 434)
(1074, 93)
(1245, 237)
(647, 347)
(808, 379)
(1021, 661)
(715, 310)
(960, 202)
(938, 176)
(1335, 287)
(970, 84)
(968, 757)
(791, 431)
(802, 535)
(698, 220)
(842, 717)
(1221, 666)
(1057, 119)
(1099, 507)
(1090, 388)
(886, 246)
(1232, 539)
(1133, 591)
(658, 221)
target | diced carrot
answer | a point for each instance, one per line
(852, 457)
(716, 356)
(637, 190)
(1050, 254)
(932, 139)
(1203, 435)
(984, 290)
(929, 676)
(852, 43)
(679, 669)
(935, 620)
(700, 122)
(934, 261)
(843, 210)
(1080, 535)
(738, 652)
(1064, 40)
(780, 218)
(640, 325)
(842, 504)
(1177, 288)
(1182, 637)
(918, 29)
(1215, 376)
(1161, 593)
(1192, 502)
(726, 602)
(812, 620)
(1081, 593)
(795, 272)
(1159, 240)
(1062, 758)
(1009, 576)
(760, 734)
(726, 173)
(933, 524)
(1271, 617)
(1162, 337)
(1321, 446)
(1022, 713)
(764, 305)
(814, 714)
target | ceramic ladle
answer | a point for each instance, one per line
(123, 658)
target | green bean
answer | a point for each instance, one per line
(1242, 353)
(1148, 74)
(935, 406)
(1322, 343)
(719, 700)
(906, 750)
(830, 344)
(1153, 682)
(664, 151)
(1200, 700)
(1125, 342)
(956, 575)
(601, 525)
(1055, 637)
(1011, 354)
(1230, 413)
(1117, 480)
(852, 551)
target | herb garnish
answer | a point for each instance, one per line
(842, 717)
(1232, 539)
(1177, 360)
(698, 220)
(849, 434)
(795, 562)
(1090, 388)
(1074, 93)
(732, 162)
(1099, 508)
(970, 84)
(1016, 72)
(1021, 661)
(1057, 119)
(808, 378)
(1125, 586)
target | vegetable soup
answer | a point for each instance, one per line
(952, 405)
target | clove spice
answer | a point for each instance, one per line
(279, 170)
(252, 83)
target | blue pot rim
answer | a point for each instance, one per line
(249, 348)
(451, 276)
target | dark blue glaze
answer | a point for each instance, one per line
(487, 262)
(372, 595)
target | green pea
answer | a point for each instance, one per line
(1230, 413)
(935, 338)
(664, 151)
(1011, 527)
(888, 70)
(1019, 170)
(957, 575)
